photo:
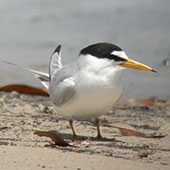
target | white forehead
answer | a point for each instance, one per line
(120, 54)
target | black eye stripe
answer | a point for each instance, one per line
(113, 57)
(116, 58)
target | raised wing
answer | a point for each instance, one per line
(55, 61)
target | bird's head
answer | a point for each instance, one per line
(114, 53)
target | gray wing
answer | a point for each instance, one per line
(62, 87)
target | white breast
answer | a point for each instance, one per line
(97, 90)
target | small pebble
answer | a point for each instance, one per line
(142, 154)
(42, 108)
(66, 125)
(52, 110)
(2, 102)
(14, 94)
(166, 62)
(28, 108)
(164, 163)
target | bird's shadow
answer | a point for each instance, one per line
(67, 136)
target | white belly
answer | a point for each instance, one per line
(97, 89)
(90, 103)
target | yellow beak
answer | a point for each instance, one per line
(136, 65)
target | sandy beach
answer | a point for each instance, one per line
(30, 31)
(21, 115)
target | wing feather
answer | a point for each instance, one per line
(55, 62)
(62, 87)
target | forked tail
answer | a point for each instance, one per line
(54, 66)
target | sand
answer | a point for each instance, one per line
(22, 115)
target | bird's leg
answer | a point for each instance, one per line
(74, 136)
(72, 128)
(98, 130)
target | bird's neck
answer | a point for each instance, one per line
(98, 66)
(88, 61)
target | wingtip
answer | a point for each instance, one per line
(57, 50)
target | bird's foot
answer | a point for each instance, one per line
(99, 137)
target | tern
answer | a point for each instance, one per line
(90, 86)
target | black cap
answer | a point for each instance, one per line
(102, 50)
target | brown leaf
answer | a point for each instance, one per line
(24, 89)
(54, 137)
(129, 132)
(147, 102)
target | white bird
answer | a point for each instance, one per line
(88, 87)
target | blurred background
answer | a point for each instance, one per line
(31, 29)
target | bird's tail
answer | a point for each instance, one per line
(44, 77)
(54, 66)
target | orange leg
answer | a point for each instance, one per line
(98, 129)
(74, 136)
(72, 128)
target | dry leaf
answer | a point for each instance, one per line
(147, 102)
(24, 89)
(54, 137)
(129, 132)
